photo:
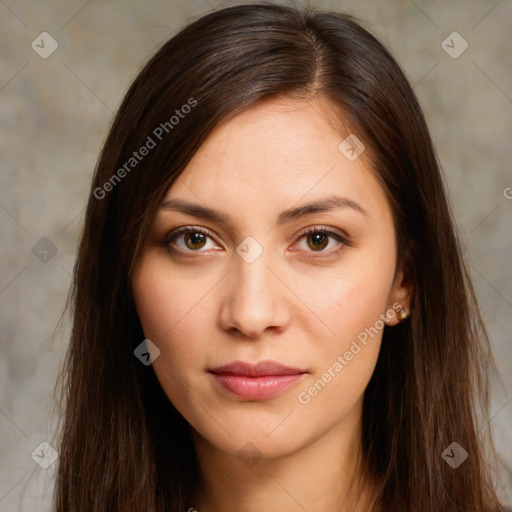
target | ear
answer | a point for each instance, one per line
(400, 295)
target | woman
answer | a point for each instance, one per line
(271, 311)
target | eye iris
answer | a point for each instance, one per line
(195, 240)
(319, 240)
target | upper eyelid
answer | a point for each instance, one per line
(177, 232)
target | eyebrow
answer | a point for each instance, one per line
(319, 206)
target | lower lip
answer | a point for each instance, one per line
(256, 388)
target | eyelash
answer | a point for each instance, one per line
(173, 235)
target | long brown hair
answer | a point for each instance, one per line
(123, 446)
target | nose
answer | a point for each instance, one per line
(255, 299)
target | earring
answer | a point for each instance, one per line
(402, 314)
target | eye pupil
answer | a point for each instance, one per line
(195, 240)
(319, 240)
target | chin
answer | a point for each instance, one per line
(253, 444)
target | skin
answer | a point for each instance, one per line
(209, 306)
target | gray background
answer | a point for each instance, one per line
(55, 114)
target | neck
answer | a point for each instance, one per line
(327, 475)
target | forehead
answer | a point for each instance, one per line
(274, 154)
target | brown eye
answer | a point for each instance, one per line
(188, 239)
(194, 240)
(317, 241)
(321, 242)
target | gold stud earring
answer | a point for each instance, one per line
(402, 314)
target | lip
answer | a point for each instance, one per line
(260, 381)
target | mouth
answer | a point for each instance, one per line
(256, 382)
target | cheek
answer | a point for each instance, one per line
(352, 298)
(171, 311)
(178, 325)
(351, 303)
(344, 361)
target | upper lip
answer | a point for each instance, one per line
(254, 370)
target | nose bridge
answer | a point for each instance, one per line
(254, 278)
(255, 299)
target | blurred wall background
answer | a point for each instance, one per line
(64, 67)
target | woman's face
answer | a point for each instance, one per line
(245, 283)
